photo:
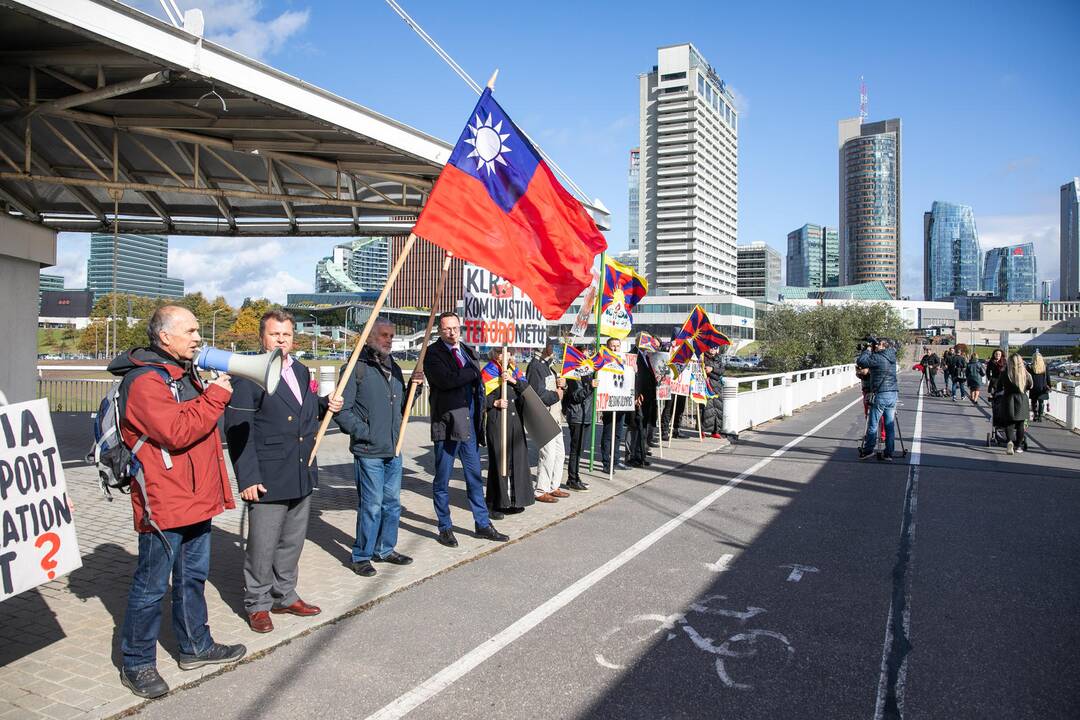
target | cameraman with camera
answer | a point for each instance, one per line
(880, 360)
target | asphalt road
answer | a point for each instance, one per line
(716, 592)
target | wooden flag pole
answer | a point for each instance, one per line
(503, 472)
(614, 442)
(413, 384)
(346, 376)
(660, 429)
(671, 427)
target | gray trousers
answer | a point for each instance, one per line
(276, 532)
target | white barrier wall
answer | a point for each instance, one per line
(750, 401)
(1064, 405)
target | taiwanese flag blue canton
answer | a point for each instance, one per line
(497, 204)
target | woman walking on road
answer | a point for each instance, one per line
(974, 372)
(1011, 407)
(995, 369)
(1040, 386)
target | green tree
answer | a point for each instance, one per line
(801, 338)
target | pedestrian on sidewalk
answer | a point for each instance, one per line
(995, 371)
(880, 359)
(974, 372)
(457, 404)
(1012, 408)
(170, 422)
(958, 370)
(550, 389)
(578, 407)
(513, 492)
(372, 418)
(270, 440)
(1040, 386)
(712, 414)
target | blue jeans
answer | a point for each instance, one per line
(189, 566)
(378, 486)
(959, 386)
(469, 452)
(884, 404)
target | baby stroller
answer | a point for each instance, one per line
(997, 437)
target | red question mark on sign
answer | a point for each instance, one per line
(47, 562)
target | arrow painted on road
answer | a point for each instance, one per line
(798, 570)
(720, 565)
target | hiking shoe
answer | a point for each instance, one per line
(863, 454)
(1009, 448)
(144, 682)
(216, 655)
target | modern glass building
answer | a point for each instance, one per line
(48, 282)
(952, 262)
(864, 291)
(870, 202)
(813, 257)
(633, 190)
(139, 264)
(689, 181)
(1069, 286)
(759, 272)
(356, 266)
(1010, 273)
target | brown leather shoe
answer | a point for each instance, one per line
(546, 498)
(260, 621)
(559, 493)
(300, 608)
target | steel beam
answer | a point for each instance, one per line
(103, 93)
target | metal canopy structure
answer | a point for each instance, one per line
(101, 103)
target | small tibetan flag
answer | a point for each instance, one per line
(605, 359)
(574, 361)
(490, 376)
(699, 333)
(648, 343)
(623, 289)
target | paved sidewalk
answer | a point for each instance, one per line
(59, 643)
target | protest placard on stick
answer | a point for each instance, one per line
(38, 531)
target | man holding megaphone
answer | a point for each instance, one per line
(270, 424)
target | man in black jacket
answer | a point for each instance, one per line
(642, 419)
(270, 439)
(578, 407)
(452, 371)
(372, 418)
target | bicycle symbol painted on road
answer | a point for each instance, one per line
(768, 650)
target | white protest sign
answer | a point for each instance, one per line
(497, 313)
(616, 390)
(35, 522)
(581, 322)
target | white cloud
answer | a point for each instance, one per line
(742, 103)
(236, 24)
(72, 250)
(236, 268)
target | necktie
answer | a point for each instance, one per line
(459, 356)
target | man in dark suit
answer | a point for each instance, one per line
(270, 440)
(452, 371)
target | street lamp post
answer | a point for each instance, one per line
(315, 340)
(213, 326)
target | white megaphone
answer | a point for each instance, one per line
(264, 370)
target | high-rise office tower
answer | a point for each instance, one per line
(813, 257)
(1069, 286)
(689, 180)
(419, 278)
(355, 266)
(759, 272)
(870, 202)
(951, 256)
(1010, 273)
(139, 264)
(633, 191)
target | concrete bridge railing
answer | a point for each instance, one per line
(1064, 405)
(750, 401)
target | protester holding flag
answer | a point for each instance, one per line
(676, 405)
(623, 289)
(549, 388)
(712, 415)
(643, 418)
(614, 422)
(513, 493)
(578, 402)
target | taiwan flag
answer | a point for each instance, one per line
(497, 204)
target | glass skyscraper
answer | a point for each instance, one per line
(141, 266)
(870, 202)
(813, 257)
(355, 266)
(951, 257)
(632, 215)
(1010, 273)
(1069, 287)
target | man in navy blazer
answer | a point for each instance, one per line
(270, 441)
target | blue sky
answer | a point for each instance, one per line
(988, 93)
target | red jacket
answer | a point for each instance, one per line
(196, 487)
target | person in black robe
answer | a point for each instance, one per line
(643, 418)
(513, 493)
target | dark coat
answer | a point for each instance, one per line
(645, 389)
(271, 437)
(882, 366)
(451, 388)
(537, 374)
(712, 414)
(578, 400)
(515, 490)
(1012, 405)
(994, 373)
(374, 403)
(1040, 385)
(974, 373)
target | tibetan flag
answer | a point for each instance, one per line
(623, 289)
(699, 333)
(497, 204)
(574, 361)
(491, 375)
(682, 352)
(648, 343)
(605, 359)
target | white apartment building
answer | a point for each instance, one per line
(689, 179)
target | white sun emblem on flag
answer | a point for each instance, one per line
(487, 144)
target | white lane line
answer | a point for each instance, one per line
(446, 677)
(720, 565)
(907, 538)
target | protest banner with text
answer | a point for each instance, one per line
(494, 312)
(38, 533)
(616, 390)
